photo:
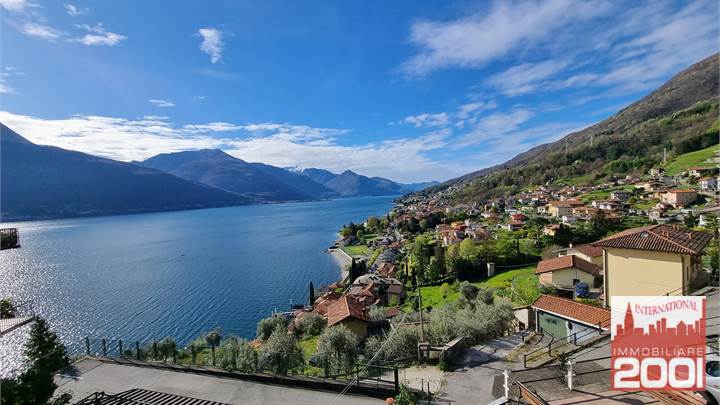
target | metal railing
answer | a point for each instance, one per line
(168, 352)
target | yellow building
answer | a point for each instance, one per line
(653, 260)
(349, 312)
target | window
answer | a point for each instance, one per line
(712, 368)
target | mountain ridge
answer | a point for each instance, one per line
(50, 182)
(692, 94)
(256, 181)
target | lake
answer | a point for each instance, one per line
(179, 274)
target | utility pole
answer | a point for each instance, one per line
(422, 324)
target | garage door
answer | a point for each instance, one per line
(552, 325)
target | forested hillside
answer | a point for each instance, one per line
(679, 117)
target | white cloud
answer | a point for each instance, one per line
(525, 78)
(466, 110)
(212, 43)
(283, 145)
(161, 103)
(7, 72)
(74, 11)
(41, 31)
(427, 120)
(628, 47)
(4, 88)
(477, 39)
(98, 36)
(15, 5)
(494, 126)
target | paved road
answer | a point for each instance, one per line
(473, 383)
(92, 375)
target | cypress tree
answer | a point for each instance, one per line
(312, 294)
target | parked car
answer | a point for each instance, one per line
(712, 378)
(582, 290)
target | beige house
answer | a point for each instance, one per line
(679, 197)
(565, 271)
(349, 312)
(590, 253)
(558, 209)
(652, 260)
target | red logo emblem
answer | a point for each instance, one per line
(658, 343)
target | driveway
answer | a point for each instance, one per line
(472, 382)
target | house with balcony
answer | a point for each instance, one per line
(653, 260)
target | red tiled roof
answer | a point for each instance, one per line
(566, 203)
(589, 250)
(682, 191)
(571, 309)
(344, 308)
(567, 262)
(659, 238)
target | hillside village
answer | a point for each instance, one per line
(557, 253)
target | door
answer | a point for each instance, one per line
(552, 325)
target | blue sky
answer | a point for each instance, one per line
(408, 90)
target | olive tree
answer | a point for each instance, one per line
(235, 354)
(281, 352)
(310, 324)
(337, 349)
(267, 325)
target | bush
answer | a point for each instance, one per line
(377, 313)
(311, 324)
(268, 325)
(337, 349)
(7, 309)
(281, 352)
(405, 397)
(45, 354)
(468, 291)
(399, 344)
(166, 348)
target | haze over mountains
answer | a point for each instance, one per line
(256, 181)
(48, 182)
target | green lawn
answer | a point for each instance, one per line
(434, 296)
(697, 158)
(309, 346)
(595, 195)
(576, 181)
(646, 204)
(504, 279)
(359, 250)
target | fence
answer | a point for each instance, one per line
(166, 351)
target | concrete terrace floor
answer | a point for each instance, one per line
(89, 375)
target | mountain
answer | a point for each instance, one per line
(48, 182)
(321, 176)
(256, 181)
(679, 117)
(351, 184)
(419, 186)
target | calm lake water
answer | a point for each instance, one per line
(146, 276)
